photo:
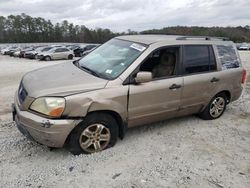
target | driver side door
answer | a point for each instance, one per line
(154, 101)
(158, 99)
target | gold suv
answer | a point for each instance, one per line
(128, 81)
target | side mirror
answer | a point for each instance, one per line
(143, 77)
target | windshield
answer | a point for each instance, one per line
(112, 58)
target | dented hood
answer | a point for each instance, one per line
(60, 80)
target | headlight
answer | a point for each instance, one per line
(51, 106)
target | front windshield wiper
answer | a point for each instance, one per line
(90, 71)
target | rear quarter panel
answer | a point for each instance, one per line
(230, 79)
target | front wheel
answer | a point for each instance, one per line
(47, 58)
(97, 132)
(215, 108)
(70, 56)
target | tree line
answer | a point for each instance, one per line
(24, 28)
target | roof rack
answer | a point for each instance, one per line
(202, 37)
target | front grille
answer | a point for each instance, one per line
(22, 93)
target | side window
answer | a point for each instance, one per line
(64, 50)
(58, 50)
(198, 58)
(228, 57)
(162, 62)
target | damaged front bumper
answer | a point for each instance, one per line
(49, 132)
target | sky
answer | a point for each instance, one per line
(137, 15)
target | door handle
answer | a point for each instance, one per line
(175, 86)
(215, 80)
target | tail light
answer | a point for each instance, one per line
(244, 76)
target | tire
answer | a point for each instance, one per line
(36, 57)
(70, 56)
(47, 58)
(215, 108)
(83, 133)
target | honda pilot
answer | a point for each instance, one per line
(131, 80)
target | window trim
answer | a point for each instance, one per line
(130, 79)
(211, 53)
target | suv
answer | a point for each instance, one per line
(128, 81)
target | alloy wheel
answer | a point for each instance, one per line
(217, 107)
(94, 138)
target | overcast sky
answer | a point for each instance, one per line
(120, 15)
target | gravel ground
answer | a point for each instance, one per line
(183, 152)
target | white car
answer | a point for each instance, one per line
(244, 46)
(4, 50)
(56, 53)
(17, 53)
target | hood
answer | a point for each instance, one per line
(60, 80)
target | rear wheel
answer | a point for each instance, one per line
(97, 132)
(215, 108)
(70, 56)
(47, 58)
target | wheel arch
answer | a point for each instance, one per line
(48, 56)
(122, 126)
(227, 93)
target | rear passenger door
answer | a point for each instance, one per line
(201, 78)
(65, 53)
(57, 54)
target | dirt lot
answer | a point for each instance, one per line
(184, 152)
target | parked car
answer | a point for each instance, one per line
(33, 54)
(17, 53)
(10, 50)
(56, 53)
(24, 50)
(244, 46)
(81, 49)
(4, 50)
(128, 81)
(87, 52)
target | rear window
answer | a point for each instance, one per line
(198, 58)
(228, 57)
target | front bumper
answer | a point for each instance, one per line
(49, 132)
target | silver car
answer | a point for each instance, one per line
(56, 53)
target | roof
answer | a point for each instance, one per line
(150, 39)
